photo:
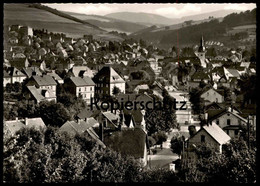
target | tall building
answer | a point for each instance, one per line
(201, 53)
(106, 79)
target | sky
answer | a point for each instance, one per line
(174, 10)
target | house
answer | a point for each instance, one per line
(19, 63)
(72, 128)
(78, 86)
(212, 95)
(129, 142)
(16, 75)
(39, 64)
(32, 71)
(230, 121)
(56, 77)
(231, 73)
(198, 77)
(25, 31)
(141, 88)
(110, 120)
(210, 134)
(32, 94)
(81, 71)
(14, 126)
(43, 82)
(106, 79)
(7, 78)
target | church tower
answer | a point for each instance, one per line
(201, 53)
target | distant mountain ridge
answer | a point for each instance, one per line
(108, 23)
(144, 18)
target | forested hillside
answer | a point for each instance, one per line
(189, 35)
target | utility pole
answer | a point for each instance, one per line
(248, 132)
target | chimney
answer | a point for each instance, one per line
(16, 118)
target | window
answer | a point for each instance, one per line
(202, 138)
(217, 121)
(79, 89)
(216, 99)
(227, 132)
(236, 132)
(85, 88)
(90, 88)
(228, 121)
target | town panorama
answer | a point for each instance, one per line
(98, 93)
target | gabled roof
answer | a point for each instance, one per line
(14, 72)
(44, 80)
(110, 116)
(35, 93)
(234, 72)
(214, 105)
(216, 133)
(54, 75)
(129, 142)
(86, 81)
(35, 123)
(224, 111)
(14, 126)
(72, 127)
(29, 71)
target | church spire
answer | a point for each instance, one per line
(201, 47)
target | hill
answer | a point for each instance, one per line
(214, 29)
(215, 14)
(143, 18)
(109, 24)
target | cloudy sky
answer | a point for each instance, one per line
(176, 10)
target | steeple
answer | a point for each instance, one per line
(201, 47)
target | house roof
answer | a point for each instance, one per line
(44, 80)
(29, 71)
(6, 74)
(88, 80)
(129, 142)
(35, 123)
(76, 70)
(200, 75)
(72, 127)
(54, 75)
(14, 72)
(234, 72)
(110, 116)
(78, 81)
(219, 113)
(216, 133)
(14, 126)
(85, 113)
(35, 93)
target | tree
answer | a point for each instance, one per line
(160, 137)
(161, 119)
(177, 144)
(195, 99)
(151, 141)
(192, 130)
(50, 110)
(115, 90)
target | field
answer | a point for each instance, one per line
(40, 19)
